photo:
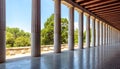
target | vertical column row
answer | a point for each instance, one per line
(102, 33)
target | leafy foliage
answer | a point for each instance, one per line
(16, 37)
(47, 32)
(22, 41)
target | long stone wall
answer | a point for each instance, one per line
(15, 51)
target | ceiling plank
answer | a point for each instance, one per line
(79, 0)
(105, 9)
(101, 3)
(112, 10)
(105, 6)
(89, 2)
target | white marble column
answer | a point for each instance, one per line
(107, 33)
(110, 35)
(87, 30)
(101, 33)
(93, 31)
(57, 26)
(104, 34)
(71, 29)
(113, 35)
(80, 30)
(97, 33)
(35, 28)
(2, 30)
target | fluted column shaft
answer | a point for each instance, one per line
(57, 26)
(2, 30)
(101, 33)
(97, 33)
(88, 30)
(80, 30)
(104, 34)
(93, 32)
(35, 28)
(71, 29)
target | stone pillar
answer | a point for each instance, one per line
(71, 29)
(97, 33)
(101, 33)
(35, 28)
(57, 26)
(2, 31)
(112, 36)
(80, 30)
(108, 34)
(93, 32)
(87, 30)
(104, 34)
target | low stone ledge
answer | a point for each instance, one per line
(26, 50)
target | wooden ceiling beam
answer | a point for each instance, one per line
(89, 2)
(106, 9)
(79, 0)
(101, 3)
(107, 12)
(105, 6)
(109, 15)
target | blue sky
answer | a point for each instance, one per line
(18, 13)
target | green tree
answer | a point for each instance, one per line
(9, 39)
(16, 37)
(22, 41)
(47, 32)
(76, 36)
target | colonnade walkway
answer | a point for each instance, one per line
(100, 57)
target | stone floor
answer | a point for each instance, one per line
(102, 57)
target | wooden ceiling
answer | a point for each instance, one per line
(109, 10)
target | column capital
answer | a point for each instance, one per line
(86, 14)
(66, 3)
(78, 10)
(92, 17)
